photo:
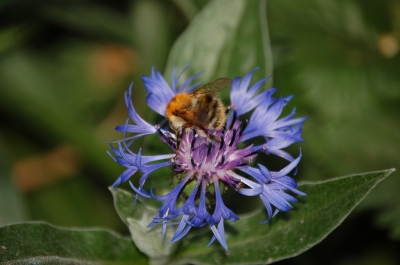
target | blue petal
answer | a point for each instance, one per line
(221, 211)
(272, 197)
(150, 168)
(290, 167)
(184, 86)
(159, 92)
(126, 175)
(243, 98)
(141, 125)
(182, 229)
(265, 172)
(219, 233)
(139, 191)
(139, 159)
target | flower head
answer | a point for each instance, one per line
(204, 165)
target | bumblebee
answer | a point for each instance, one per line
(201, 109)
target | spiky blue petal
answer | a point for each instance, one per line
(209, 163)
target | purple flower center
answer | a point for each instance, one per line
(207, 159)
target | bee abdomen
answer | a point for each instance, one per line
(217, 115)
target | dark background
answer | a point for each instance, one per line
(64, 66)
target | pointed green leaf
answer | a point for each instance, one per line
(41, 243)
(137, 217)
(228, 37)
(326, 205)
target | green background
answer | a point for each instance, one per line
(64, 66)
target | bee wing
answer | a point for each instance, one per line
(214, 86)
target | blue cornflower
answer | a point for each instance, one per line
(209, 164)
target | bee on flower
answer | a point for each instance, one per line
(211, 146)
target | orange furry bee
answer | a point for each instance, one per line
(199, 108)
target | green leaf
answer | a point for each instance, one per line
(76, 210)
(41, 243)
(326, 205)
(137, 218)
(156, 37)
(328, 53)
(226, 38)
(188, 8)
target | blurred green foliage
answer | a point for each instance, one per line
(65, 64)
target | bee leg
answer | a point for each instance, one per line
(209, 135)
(214, 137)
(231, 106)
(179, 134)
